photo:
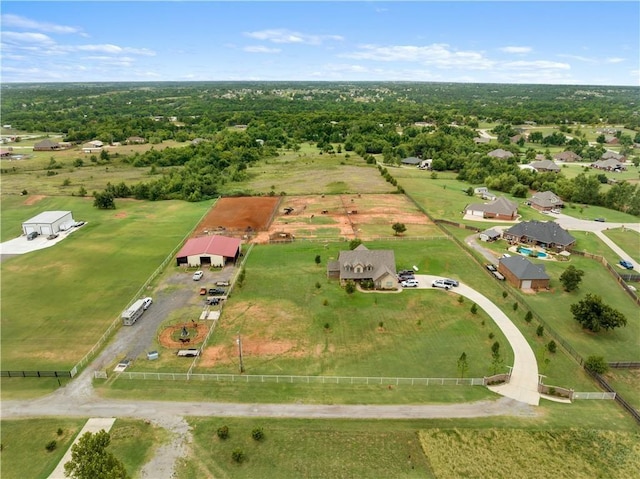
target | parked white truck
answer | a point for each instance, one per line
(131, 314)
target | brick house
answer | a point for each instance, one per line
(523, 274)
(363, 264)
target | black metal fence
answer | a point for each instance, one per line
(35, 374)
(605, 385)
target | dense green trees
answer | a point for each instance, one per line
(91, 460)
(595, 315)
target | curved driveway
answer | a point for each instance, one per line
(523, 385)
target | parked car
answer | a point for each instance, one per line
(203, 291)
(32, 235)
(52, 236)
(498, 275)
(405, 271)
(439, 283)
(146, 302)
(406, 277)
(77, 224)
(217, 291)
(212, 301)
(197, 276)
(626, 264)
(451, 282)
(491, 267)
(601, 220)
(410, 283)
(222, 283)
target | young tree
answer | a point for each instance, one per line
(350, 287)
(399, 228)
(496, 361)
(571, 278)
(463, 365)
(103, 201)
(91, 460)
(318, 260)
(596, 364)
(594, 315)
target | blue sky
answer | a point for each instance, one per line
(589, 43)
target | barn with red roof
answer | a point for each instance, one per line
(209, 251)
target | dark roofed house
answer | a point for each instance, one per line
(363, 264)
(489, 235)
(546, 201)
(500, 153)
(567, 156)
(209, 250)
(411, 160)
(545, 165)
(523, 274)
(46, 145)
(500, 209)
(542, 233)
(610, 164)
(612, 154)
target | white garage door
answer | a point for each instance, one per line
(45, 229)
(29, 229)
(526, 284)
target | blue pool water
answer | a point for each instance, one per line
(528, 252)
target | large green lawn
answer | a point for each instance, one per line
(58, 301)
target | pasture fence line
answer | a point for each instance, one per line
(624, 365)
(619, 399)
(291, 379)
(118, 321)
(622, 279)
(333, 239)
(35, 374)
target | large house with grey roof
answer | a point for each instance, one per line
(523, 274)
(543, 166)
(567, 156)
(499, 209)
(546, 234)
(362, 264)
(500, 153)
(546, 201)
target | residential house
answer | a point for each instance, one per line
(545, 166)
(137, 140)
(523, 274)
(6, 153)
(500, 153)
(363, 264)
(611, 140)
(411, 160)
(546, 234)
(489, 235)
(609, 165)
(567, 156)
(612, 154)
(46, 145)
(546, 201)
(499, 209)
(481, 140)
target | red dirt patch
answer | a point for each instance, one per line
(166, 336)
(251, 347)
(233, 215)
(120, 215)
(33, 199)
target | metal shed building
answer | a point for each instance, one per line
(48, 222)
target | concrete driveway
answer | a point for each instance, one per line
(22, 245)
(523, 385)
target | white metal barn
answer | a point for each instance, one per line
(48, 222)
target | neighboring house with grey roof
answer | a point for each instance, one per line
(610, 164)
(546, 201)
(500, 153)
(545, 165)
(612, 154)
(547, 234)
(47, 145)
(489, 235)
(500, 209)
(363, 264)
(411, 160)
(567, 156)
(523, 274)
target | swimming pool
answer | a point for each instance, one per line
(528, 251)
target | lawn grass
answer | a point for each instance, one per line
(23, 444)
(626, 382)
(628, 240)
(50, 325)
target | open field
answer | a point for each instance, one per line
(52, 324)
(628, 240)
(23, 444)
(627, 383)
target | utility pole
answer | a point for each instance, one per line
(239, 341)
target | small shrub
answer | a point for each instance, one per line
(552, 391)
(515, 306)
(51, 445)
(528, 317)
(482, 322)
(474, 308)
(237, 455)
(460, 299)
(318, 286)
(540, 330)
(24, 192)
(257, 434)
(552, 347)
(327, 326)
(491, 335)
(60, 431)
(223, 432)
(381, 324)
(325, 302)
(505, 294)
(350, 287)
(596, 364)
(419, 323)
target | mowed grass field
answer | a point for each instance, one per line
(23, 444)
(58, 301)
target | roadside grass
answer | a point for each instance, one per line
(307, 173)
(628, 240)
(500, 453)
(24, 441)
(589, 212)
(97, 270)
(626, 382)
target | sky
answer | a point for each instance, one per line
(542, 42)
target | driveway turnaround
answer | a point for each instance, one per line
(523, 385)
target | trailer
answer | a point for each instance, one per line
(131, 314)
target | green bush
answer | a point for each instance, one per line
(552, 347)
(51, 445)
(596, 364)
(237, 455)
(257, 434)
(540, 331)
(223, 432)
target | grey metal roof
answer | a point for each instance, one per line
(374, 262)
(545, 165)
(524, 269)
(546, 199)
(491, 233)
(411, 160)
(500, 153)
(500, 206)
(48, 217)
(542, 231)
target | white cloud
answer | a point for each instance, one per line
(16, 21)
(288, 36)
(536, 65)
(437, 54)
(110, 49)
(260, 49)
(615, 60)
(513, 49)
(578, 57)
(26, 37)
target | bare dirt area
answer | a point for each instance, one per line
(170, 337)
(33, 199)
(242, 214)
(346, 216)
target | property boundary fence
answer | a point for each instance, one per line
(625, 365)
(618, 398)
(35, 374)
(271, 378)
